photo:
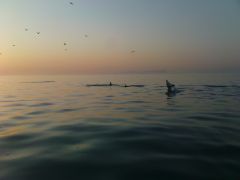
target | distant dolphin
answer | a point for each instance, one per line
(171, 89)
(136, 85)
(170, 86)
(111, 84)
(102, 85)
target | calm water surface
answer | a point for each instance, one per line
(54, 127)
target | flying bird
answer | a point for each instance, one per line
(86, 36)
(38, 32)
(133, 51)
(13, 45)
(64, 44)
(26, 29)
(71, 3)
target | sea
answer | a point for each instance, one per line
(57, 128)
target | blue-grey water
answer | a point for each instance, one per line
(55, 128)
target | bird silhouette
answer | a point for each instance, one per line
(64, 44)
(86, 36)
(71, 3)
(38, 33)
(26, 29)
(133, 51)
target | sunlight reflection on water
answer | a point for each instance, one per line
(62, 129)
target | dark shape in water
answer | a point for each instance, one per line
(102, 85)
(134, 85)
(215, 86)
(171, 89)
(111, 84)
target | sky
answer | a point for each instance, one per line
(119, 36)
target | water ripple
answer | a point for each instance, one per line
(68, 131)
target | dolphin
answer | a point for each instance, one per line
(171, 89)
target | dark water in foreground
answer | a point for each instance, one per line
(56, 128)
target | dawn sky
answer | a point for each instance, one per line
(119, 36)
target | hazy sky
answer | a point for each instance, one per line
(123, 36)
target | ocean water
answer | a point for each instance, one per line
(54, 127)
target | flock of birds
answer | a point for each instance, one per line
(38, 33)
(65, 44)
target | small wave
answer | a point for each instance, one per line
(4, 152)
(10, 97)
(117, 85)
(204, 118)
(137, 85)
(219, 86)
(110, 96)
(37, 112)
(20, 117)
(39, 82)
(41, 104)
(66, 110)
(216, 86)
(137, 102)
(14, 105)
(100, 85)
(209, 85)
(8, 101)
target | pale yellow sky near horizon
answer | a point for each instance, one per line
(123, 36)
